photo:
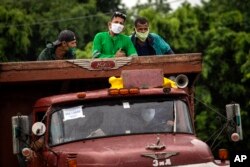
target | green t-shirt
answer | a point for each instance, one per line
(106, 46)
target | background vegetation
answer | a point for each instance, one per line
(219, 29)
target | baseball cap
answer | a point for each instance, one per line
(65, 35)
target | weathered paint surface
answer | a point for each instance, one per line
(22, 83)
(64, 70)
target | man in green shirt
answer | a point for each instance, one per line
(63, 48)
(113, 44)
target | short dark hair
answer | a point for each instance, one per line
(141, 20)
(119, 14)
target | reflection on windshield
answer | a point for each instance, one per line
(110, 118)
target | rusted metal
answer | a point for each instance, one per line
(22, 83)
(65, 70)
(140, 78)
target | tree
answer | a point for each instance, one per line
(15, 31)
(26, 26)
(225, 76)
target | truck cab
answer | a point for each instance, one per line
(152, 127)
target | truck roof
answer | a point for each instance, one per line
(100, 94)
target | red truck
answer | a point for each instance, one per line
(127, 112)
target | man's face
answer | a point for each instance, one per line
(67, 45)
(142, 27)
(72, 44)
(148, 114)
(116, 26)
(118, 20)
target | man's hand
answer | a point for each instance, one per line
(120, 53)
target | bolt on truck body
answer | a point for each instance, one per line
(144, 118)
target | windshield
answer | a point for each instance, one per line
(108, 118)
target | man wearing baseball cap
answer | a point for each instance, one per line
(63, 48)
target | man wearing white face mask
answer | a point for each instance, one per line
(148, 43)
(112, 43)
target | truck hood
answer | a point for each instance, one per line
(138, 150)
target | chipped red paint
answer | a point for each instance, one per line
(23, 83)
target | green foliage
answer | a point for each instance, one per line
(225, 72)
(242, 56)
(86, 53)
(161, 6)
(15, 33)
(232, 20)
(26, 26)
(109, 6)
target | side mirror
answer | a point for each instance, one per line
(234, 122)
(20, 132)
(38, 128)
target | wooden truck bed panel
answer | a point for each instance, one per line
(78, 69)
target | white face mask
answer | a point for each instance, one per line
(142, 35)
(116, 28)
